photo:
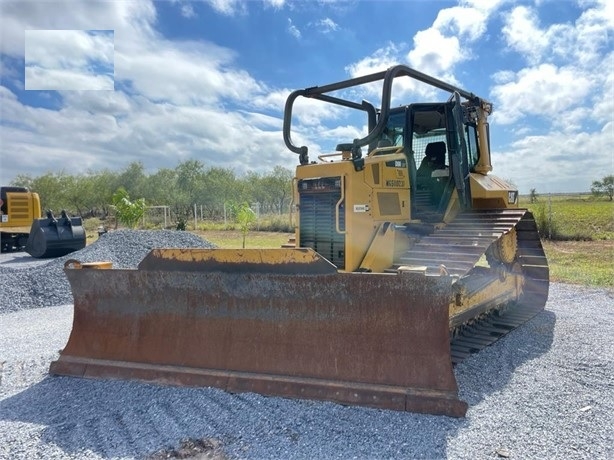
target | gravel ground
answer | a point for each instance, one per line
(42, 283)
(546, 390)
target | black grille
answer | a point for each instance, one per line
(317, 225)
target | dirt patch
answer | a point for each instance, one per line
(193, 449)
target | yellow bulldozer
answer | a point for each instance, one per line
(407, 259)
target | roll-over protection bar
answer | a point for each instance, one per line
(376, 127)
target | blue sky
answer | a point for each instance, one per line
(91, 85)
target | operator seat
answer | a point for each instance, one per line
(434, 158)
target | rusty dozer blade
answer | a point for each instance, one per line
(278, 322)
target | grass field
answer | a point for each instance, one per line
(234, 238)
(574, 217)
(580, 249)
(590, 263)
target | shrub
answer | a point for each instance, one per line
(546, 224)
(128, 212)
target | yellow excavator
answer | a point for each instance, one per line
(18, 208)
(407, 258)
(23, 228)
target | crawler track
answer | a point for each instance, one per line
(459, 246)
(486, 331)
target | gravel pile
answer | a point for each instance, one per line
(546, 390)
(29, 283)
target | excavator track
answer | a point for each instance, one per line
(458, 247)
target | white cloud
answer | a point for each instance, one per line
(603, 99)
(593, 32)
(461, 21)
(311, 112)
(523, 35)
(108, 130)
(38, 78)
(566, 94)
(69, 59)
(327, 25)
(270, 100)
(438, 49)
(186, 72)
(128, 20)
(582, 41)
(277, 4)
(228, 7)
(380, 60)
(115, 103)
(67, 48)
(187, 11)
(176, 115)
(435, 53)
(293, 30)
(556, 161)
(485, 6)
(544, 91)
(180, 99)
(403, 89)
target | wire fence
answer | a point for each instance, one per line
(169, 217)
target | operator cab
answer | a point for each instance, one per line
(428, 135)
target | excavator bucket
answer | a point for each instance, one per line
(278, 322)
(51, 237)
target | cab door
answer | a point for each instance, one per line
(457, 144)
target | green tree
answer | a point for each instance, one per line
(160, 189)
(190, 176)
(279, 183)
(533, 196)
(273, 190)
(103, 186)
(604, 186)
(78, 191)
(22, 180)
(244, 216)
(220, 185)
(128, 212)
(188, 183)
(132, 178)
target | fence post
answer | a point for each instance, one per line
(549, 216)
(257, 212)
